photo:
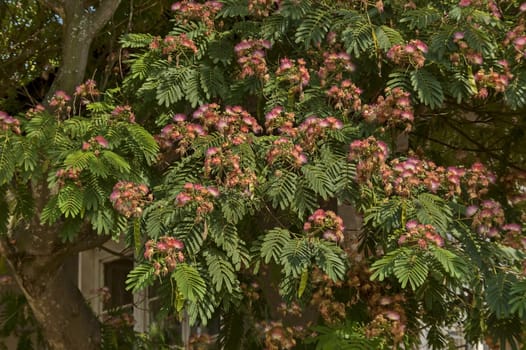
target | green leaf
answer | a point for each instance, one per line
(51, 211)
(220, 270)
(281, 189)
(518, 300)
(189, 282)
(411, 268)
(4, 211)
(79, 160)
(115, 161)
(8, 160)
(135, 40)
(70, 200)
(451, 262)
(295, 256)
(234, 8)
(383, 268)
(212, 81)
(331, 259)
(387, 37)
(433, 210)
(145, 142)
(358, 38)
(273, 244)
(498, 293)
(427, 87)
(140, 277)
(313, 27)
(421, 18)
(303, 282)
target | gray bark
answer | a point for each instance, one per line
(80, 28)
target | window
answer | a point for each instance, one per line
(115, 274)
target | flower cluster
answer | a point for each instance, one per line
(314, 128)
(370, 155)
(277, 336)
(513, 236)
(390, 317)
(478, 179)
(123, 113)
(165, 253)
(234, 123)
(326, 223)
(87, 89)
(191, 10)
(468, 53)
(386, 325)
(173, 44)
(294, 72)
(251, 58)
(420, 235)
(345, 96)
(9, 123)
(208, 114)
(494, 80)
(59, 100)
(487, 219)
(516, 38)
(335, 65)
(404, 176)
(411, 53)
(284, 150)
(261, 8)
(129, 198)
(226, 166)
(33, 112)
(278, 119)
(64, 175)
(395, 109)
(198, 195)
(515, 184)
(95, 143)
(332, 311)
(180, 133)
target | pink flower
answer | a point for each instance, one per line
(392, 315)
(458, 35)
(512, 227)
(179, 118)
(411, 224)
(182, 198)
(213, 191)
(101, 141)
(161, 246)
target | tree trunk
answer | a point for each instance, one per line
(75, 54)
(66, 320)
(80, 28)
(35, 253)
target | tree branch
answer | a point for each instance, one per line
(102, 14)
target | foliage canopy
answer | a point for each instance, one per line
(270, 118)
